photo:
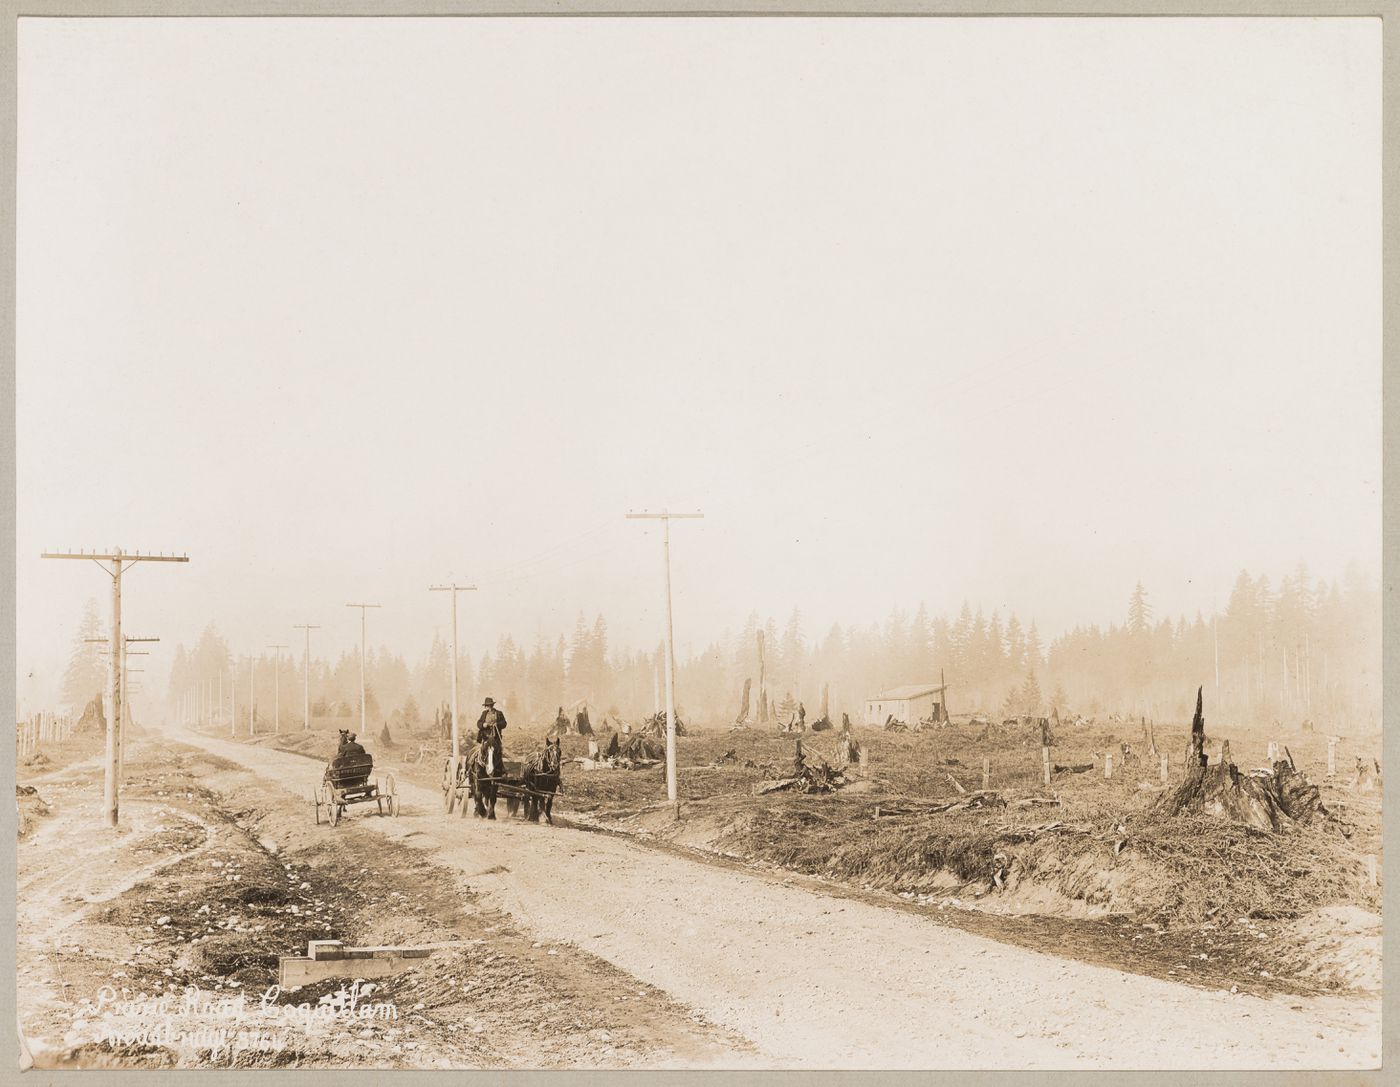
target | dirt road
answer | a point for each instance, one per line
(216, 872)
(818, 981)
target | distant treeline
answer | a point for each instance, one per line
(1306, 649)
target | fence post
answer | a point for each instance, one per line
(1164, 769)
(986, 774)
(864, 760)
(1331, 755)
(1108, 765)
(1273, 750)
(1045, 765)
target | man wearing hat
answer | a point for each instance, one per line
(348, 744)
(490, 716)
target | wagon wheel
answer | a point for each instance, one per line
(391, 790)
(449, 786)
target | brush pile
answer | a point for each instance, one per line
(805, 777)
(815, 778)
(642, 747)
(655, 725)
(972, 802)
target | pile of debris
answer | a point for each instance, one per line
(631, 752)
(1269, 799)
(655, 725)
(972, 802)
(641, 747)
(893, 725)
(805, 777)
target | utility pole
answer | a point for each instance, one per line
(233, 698)
(252, 696)
(665, 517)
(120, 562)
(126, 716)
(1215, 638)
(126, 702)
(277, 689)
(363, 726)
(454, 589)
(306, 670)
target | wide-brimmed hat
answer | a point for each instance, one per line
(489, 702)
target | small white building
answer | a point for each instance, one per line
(908, 704)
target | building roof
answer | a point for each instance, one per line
(916, 690)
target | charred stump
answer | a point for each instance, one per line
(1267, 799)
(94, 718)
(1196, 753)
(744, 706)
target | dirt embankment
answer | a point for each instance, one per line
(1188, 899)
(213, 876)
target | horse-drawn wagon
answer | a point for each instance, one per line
(478, 778)
(347, 781)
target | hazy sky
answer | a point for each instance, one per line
(1017, 311)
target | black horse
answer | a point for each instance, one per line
(485, 768)
(540, 777)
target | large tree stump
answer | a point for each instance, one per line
(1269, 801)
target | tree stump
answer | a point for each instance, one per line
(1268, 801)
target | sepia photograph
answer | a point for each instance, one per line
(764, 542)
